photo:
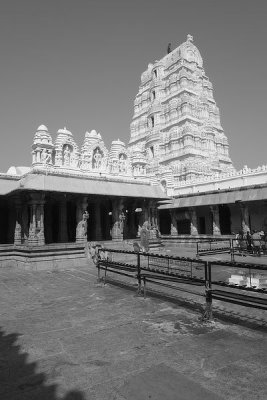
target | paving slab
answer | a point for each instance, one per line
(63, 336)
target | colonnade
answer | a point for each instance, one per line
(39, 218)
(187, 220)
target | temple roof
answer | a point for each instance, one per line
(68, 184)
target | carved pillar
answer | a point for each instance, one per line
(153, 219)
(131, 216)
(244, 217)
(32, 241)
(215, 220)
(36, 228)
(81, 207)
(40, 223)
(98, 228)
(117, 228)
(18, 233)
(24, 224)
(63, 232)
(174, 231)
(193, 221)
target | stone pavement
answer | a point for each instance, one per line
(63, 336)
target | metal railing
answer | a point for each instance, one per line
(190, 275)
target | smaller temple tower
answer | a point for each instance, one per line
(42, 147)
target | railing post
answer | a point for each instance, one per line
(138, 274)
(207, 315)
(232, 250)
(98, 271)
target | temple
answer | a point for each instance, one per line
(176, 124)
(175, 174)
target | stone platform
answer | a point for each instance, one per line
(65, 337)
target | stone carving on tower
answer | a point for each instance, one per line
(94, 154)
(119, 160)
(42, 147)
(176, 123)
(66, 150)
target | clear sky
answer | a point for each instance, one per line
(77, 63)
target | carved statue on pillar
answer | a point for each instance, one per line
(118, 220)
(36, 229)
(174, 230)
(244, 218)
(82, 217)
(81, 230)
(193, 221)
(216, 230)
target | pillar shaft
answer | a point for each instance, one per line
(193, 221)
(117, 220)
(98, 228)
(81, 227)
(63, 232)
(174, 231)
(244, 218)
(36, 228)
(215, 220)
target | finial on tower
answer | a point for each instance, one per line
(189, 38)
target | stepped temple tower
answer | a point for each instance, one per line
(176, 125)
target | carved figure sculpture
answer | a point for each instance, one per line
(45, 156)
(122, 164)
(121, 221)
(144, 236)
(97, 159)
(66, 156)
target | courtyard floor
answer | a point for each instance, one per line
(64, 336)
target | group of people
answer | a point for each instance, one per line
(253, 243)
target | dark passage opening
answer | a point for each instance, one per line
(165, 222)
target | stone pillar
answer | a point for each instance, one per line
(24, 224)
(36, 229)
(193, 221)
(215, 220)
(131, 216)
(154, 219)
(174, 231)
(244, 217)
(63, 232)
(98, 228)
(117, 220)
(40, 223)
(81, 207)
(18, 231)
(11, 222)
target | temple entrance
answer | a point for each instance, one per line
(165, 222)
(225, 219)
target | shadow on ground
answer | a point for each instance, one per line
(19, 379)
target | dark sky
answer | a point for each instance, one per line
(77, 63)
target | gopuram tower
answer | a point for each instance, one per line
(176, 124)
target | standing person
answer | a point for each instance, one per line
(256, 237)
(241, 243)
(249, 242)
